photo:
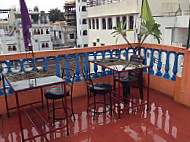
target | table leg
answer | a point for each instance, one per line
(148, 89)
(42, 100)
(118, 107)
(66, 112)
(6, 101)
(19, 116)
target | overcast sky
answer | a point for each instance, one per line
(43, 5)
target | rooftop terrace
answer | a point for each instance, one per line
(167, 119)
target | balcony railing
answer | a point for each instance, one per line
(93, 3)
(163, 60)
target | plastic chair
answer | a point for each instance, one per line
(133, 76)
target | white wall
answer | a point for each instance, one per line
(118, 8)
(80, 15)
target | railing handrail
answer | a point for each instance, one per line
(40, 54)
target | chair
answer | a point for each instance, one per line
(58, 93)
(100, 88)
(133, 76)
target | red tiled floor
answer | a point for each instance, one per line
(167, 121)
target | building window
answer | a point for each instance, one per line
(89, 23)
(85, 45)
(83, 0)
(117, 21)
(94, 43)
(97, 24)
(102, 44)
(60, 35)
(43, 45)
(83, 21)
(110, 23)
(83, 8)
(14, 48)
(131, 22)
(103, 23)
(9, 48)
(72, 36)
(85, 32)
(47, 45)
(35, 32)
(124, 20)
(93, 24)
(42, 31)
(47, 31)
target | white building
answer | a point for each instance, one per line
(63, 35)
(170, 14)
(39, 32)
(173, 15)
(81, 16)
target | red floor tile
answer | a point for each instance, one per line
(167, 121)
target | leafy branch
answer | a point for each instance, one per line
(147, 28)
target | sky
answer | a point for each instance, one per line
(43, 5)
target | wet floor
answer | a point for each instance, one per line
(166, 121)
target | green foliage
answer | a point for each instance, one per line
(56, 15)
(120, 31)
(150, 28)
(73, 23)
(147, 28)
(130, 30)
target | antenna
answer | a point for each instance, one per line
(178, 10)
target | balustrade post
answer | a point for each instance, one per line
(175, 67)
(166, 75)
(77, 78)
(9, 66)
(95, 75)
(103, 69)
(119, 54)
(57, 68)
(22, 65)
(127, 54)
(46, 64)
(152, 61)
(159, 66)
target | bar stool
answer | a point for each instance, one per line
(58, 93)
(101, 88)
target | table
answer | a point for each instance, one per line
(20, 82)
(120, 66)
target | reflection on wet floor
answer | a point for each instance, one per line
(166, 121)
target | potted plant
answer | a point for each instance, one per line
(148, 27)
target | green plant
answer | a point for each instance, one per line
(147, 28)
(130, 30)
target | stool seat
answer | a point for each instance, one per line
(126, 79)
(101, 87)
(56, 93)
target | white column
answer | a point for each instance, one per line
(100, 23)
(114, 21)
(127, 19)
